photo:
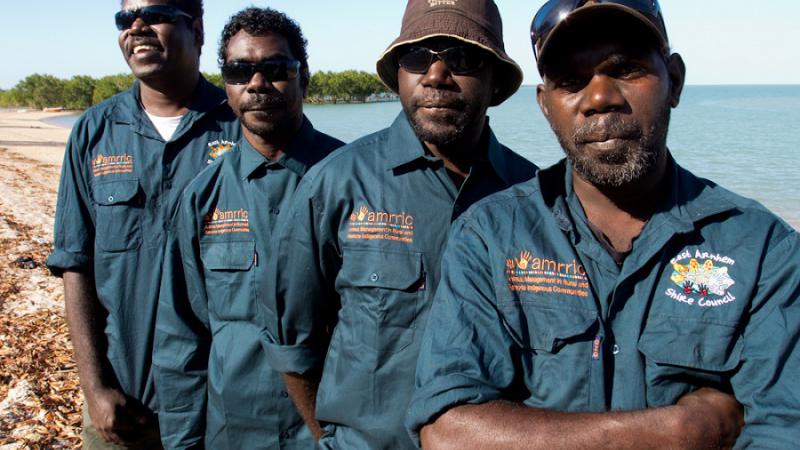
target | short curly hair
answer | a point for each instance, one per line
(262, 21)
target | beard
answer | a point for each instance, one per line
(442, 127)
(635, 157)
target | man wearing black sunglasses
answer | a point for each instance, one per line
(216, 389)
(357, 257)
(616, 300)
(126, 163)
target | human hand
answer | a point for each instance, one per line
(711, 419)
(116, 417)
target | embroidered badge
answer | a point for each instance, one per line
(530, 273)
(219, 148)
(703, 284)
(221, 222)
(367, 224)
(106, 165)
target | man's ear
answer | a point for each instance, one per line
(305, 80)
(199, 34)
(677, 77)
(540, 99)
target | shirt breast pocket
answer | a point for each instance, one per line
(230, 281)
(384, 293)
(118, 210)
(683, 354)
(555, 351)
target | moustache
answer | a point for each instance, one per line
(260, 102)
(440, 99)
(610, 127)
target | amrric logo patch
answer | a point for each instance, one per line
(701, 278)
(221, 222)
(367, 224)
(529, 273)
(106, 165)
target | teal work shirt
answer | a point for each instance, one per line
(532, 309)
(358, 253)
(215, 387)
(120, 183)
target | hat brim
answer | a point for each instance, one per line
(583, 13)
(508, 74)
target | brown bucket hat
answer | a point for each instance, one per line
(476, 22)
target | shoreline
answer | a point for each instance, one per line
(29, 134)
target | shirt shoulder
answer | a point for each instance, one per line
(523, 199)
(744, 216)
(368, 150)
(213, 174)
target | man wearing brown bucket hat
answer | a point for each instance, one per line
(357, 252)
(616, 301)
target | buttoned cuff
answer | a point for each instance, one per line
(298, 359)
(61, 261)
(434, 399)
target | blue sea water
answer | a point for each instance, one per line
(745, 138)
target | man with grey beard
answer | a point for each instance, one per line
(617, 300)
(357, 252)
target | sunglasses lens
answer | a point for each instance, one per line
(238, 73)
(156, 17)
(459, 60)
(151, 15)
(125, 19)
(242, 72)
(463, 60)
(416, 60)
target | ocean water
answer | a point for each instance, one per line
(744, 138)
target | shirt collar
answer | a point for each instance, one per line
(403, 144)
(690, 200)
(405, 147)
(128, 110)
(298, 156)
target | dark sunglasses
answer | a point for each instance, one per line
(151, 15)
(460, 60)
(554, 11)
(240, 72)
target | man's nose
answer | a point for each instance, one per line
(438, 74)
(602, 95)
(259, 83)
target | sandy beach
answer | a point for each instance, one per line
(39, 396)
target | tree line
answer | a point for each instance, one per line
(82, 91)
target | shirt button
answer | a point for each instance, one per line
(374, 277)
(276, 211)
(284, 394)
(110, 198)
(284, 435)
(168, 185)
(615, 349)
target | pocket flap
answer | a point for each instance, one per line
(114, 192)
(380, 268)
(690, 343)
(541, 328)
(228, 255)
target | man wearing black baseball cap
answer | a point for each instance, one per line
(357, 251)
(616, 300)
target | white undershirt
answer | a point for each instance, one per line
(165, 126)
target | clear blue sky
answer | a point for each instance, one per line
(722, 41)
